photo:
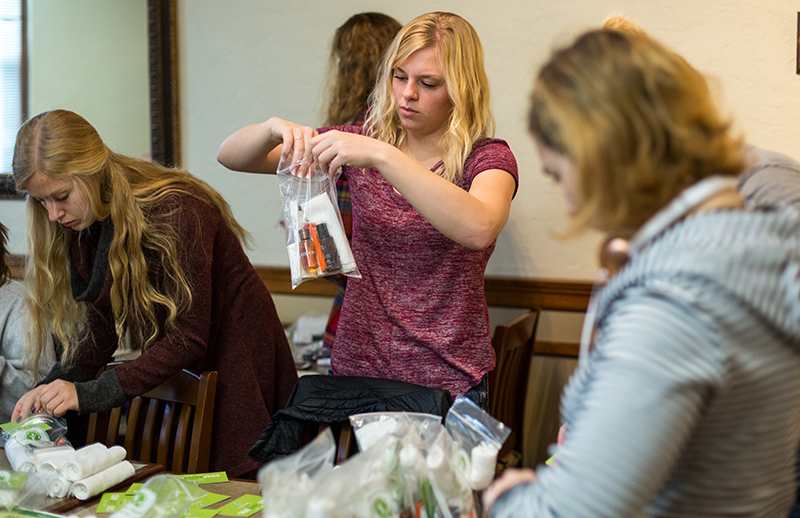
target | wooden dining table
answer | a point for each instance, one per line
(233, 488)
(69, 504)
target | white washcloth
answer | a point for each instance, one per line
(17, 454)
(99, 482)
(86, 462)
(58, 487)
(484, 462)
(319, 209)
(29, 466)
(41, 455)
(54, 465)
(439, 470)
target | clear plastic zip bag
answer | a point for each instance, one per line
(23, 490)
(25, 440)
(290, 483)
(315, 238)
(479, 437)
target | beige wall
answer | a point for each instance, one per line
(243, 62)
(88, 56)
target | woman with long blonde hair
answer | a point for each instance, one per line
(120, 246)
(431, 191)
(685, 400)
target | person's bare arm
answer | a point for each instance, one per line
(258, 148)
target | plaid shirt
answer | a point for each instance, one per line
(346, 211)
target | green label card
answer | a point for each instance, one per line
(245, 505)
(9, 427)
(209, 499)
(134, 489)
(12, 479)
(197, 512)
(206, 478)
(112, 502)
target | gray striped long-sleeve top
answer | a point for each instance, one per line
(689, 403)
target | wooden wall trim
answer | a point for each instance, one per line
(548, 294)
(557, 348)
(279, 280)
(162, 47)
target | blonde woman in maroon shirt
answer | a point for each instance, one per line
(430, 194)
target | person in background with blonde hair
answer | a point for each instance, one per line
(16, 373)
(358, 46)
(431, 191)
(123, 246)
(684, 403)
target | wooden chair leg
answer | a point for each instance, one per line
(345, 445)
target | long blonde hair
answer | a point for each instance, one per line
(636, 119)
(357, 49)
(459, 54)
(131, 192)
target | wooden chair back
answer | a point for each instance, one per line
(170, 425)
(343, 434)
(508, 382)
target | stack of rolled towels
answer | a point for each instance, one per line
(81, 473)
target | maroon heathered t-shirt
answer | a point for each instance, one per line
(418, 313)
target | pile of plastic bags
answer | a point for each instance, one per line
(408, 465)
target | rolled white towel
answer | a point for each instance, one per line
(18, 454)
(58, 487)
(28, 466)
(410, 458)
(86, 462)
(41, 455)
(484, 460)
(439, 469)
(99, 482)
(51, 466)
(54, 465)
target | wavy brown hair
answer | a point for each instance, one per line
(140, 199)
(636, 119)
(459, 54)
(358, 46)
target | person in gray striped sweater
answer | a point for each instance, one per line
(686, 401)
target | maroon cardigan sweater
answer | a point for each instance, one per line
(232, 327)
